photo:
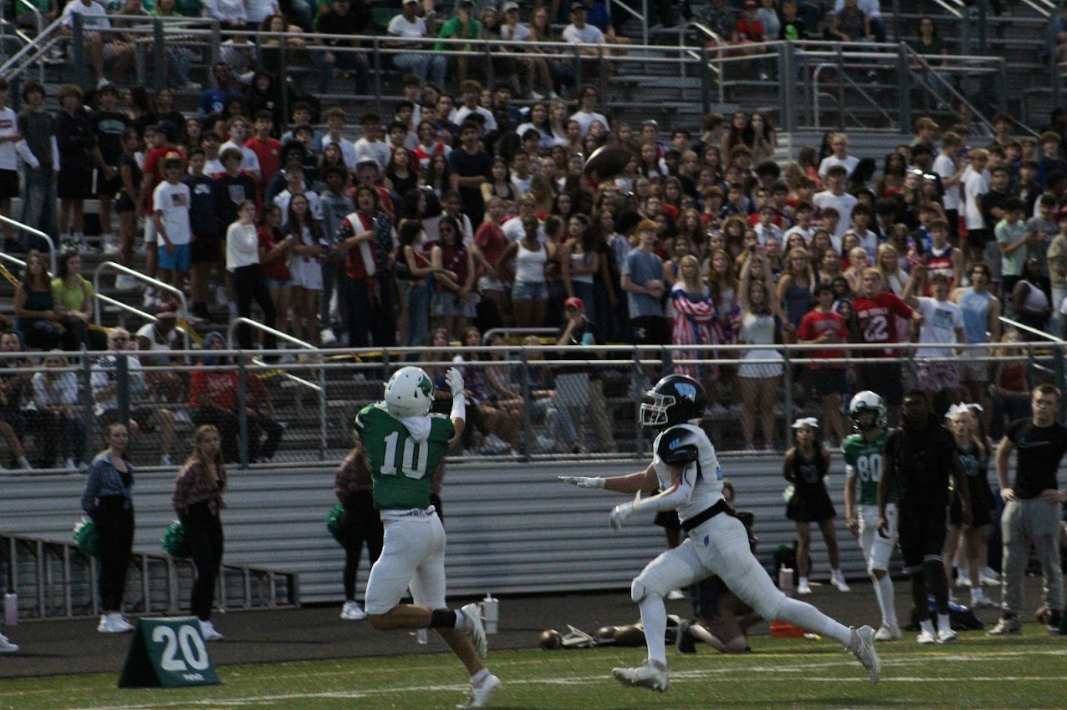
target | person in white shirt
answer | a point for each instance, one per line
(335, 124)
(100, 42)
(371, 146)
(839, 144)
(578, 32)
(237, 127)
(231, 14)
(836, 197)
(12, 149)
(975, 180)
(872, 12)
(423, 64)
(538, 75)
(171, 200)
(586, 113)
(950, 171)
(513, 228)
(942, 327)
(472, 94)
(242, 260)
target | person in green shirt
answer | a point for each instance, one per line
(864, 452)
(462, 25)
(73, 295)
(401, 444)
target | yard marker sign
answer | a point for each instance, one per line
(168, 652)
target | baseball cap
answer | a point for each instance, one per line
(509, 6)
(573, 302)
(411, 1)
(578, 7)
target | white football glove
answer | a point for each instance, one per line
(454, 380)
(619, 515)
(583, 481)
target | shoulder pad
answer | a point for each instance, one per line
(678, 445)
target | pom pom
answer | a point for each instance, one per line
(173, 541)
(85, 537)
(333, 522)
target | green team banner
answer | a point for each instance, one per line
(169, 653)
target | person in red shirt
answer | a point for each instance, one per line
(267, 149)
(822, 326)
(748, 30)
(877, 312)
(491, 244)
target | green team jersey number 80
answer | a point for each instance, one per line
(869, 467)
(414, 457)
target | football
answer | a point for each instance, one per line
(551, 640)
(607, 161)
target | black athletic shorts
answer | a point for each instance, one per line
(921, 533)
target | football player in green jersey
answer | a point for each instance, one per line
(864, 452)
(403, 444)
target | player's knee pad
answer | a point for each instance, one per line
(638, 590)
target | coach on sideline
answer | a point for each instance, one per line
(1032, 507)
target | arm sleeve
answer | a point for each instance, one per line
(672, 499)
(92, 484)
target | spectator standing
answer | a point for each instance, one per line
(1013, 238)
(205, 249)
(1032, 506)
(309, 246)
(108, 499)
(360, 523)
(759, 323)
(822, 326)
(693, 313)
(527, 258)
(877, 312)
(36, 126)
(197, 500)
(981, 324)
(469, 167)
(836, 197)
(109, 126)
(77, 145)
(975, 180)
(642, 279)
(366, 236)
(13, 148)
(242, 261)
(171, 200)
(267, 149)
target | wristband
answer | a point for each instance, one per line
(459, 407)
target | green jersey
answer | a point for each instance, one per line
(863, 459)
(401, 467)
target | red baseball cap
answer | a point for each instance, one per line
(573, 302)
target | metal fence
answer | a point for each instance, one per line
(526, 403)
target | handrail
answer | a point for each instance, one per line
(1033, 331)
(111, 265)
(32, 50)
(36, 233)
(1045, 9)
(844, 78)
(232, 329)
(102, 299)
(37, 16)
(643, 15)
(915, 56)
(947, 6)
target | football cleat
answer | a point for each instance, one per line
(862, 647)
(473, 629)
(479, 695)
(208, 632)
(1006, 625)
(947, 636)
(925, 637)
(646, 676)
(113, 624)
(887, 632)
(352, 612)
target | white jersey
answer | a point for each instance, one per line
(707, 488)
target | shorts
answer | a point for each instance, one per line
(106, 187)
(982, 503)
(521, 291)
(938, 376)
(922, 536)
(206, 250)
(413, 553)
(150, 236)
(75, 184)
(447, 304)
(877, 550)
(884, 379)
(649, 330)
(974, 371)
(813, 506)
(278, 283)
(9, 184)
(306, 274)
(760, 371)
(124, 204)
(178, 261)
(828, 381)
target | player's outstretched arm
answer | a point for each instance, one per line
(642, 481)
(459, 405)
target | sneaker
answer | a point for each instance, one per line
(964, 580)
(327, 336)
(1005, 626)
(983, 602)
(69, 464)
(947, 636)
(351, 611)
(646, 676)
(683, 640)
(164, 460)
(113, 624)
(887, 632)
(479, 695)
(862, 647)
(208, 632)
(925, 637)
(803, 589)
(125, 283)
(838, 580)
(24, 463)
(6, 646)
(990, 577)
(675, 594)
(473, 629)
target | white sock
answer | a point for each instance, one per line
(927, 625)
(943, 623)
(883, 589)
(479, 677)
(811, 619)
(654, 619)
(802, 582)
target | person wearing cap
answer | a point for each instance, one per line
(579, 32)
(578, 387)
(419, 60)
(171, 200)
(462, 25)
(750, 30)
(163, 143)
(338, 20)
(539, 79)
(101, 42)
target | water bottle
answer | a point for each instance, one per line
(490, 613)
(11, 609)
(785, 580)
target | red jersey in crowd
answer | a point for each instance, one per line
(813, 325)
(269, 153)
(877, 318)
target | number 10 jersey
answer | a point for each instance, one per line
(402, 466)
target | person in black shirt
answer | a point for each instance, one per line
(1032, 507)
(337, 20)
(469, 166)
(108, 125)
(578, 387)
(920, 457)
(207, 231)
(77, 143)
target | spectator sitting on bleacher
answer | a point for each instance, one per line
(338, 20)
(580, 32)
(871, 12)
(15, 379)
(55, 394)
(421, 62)
(163, 336)
(559, 433)
(231, 14)
(462, 25)
(36, 319)
(179, 57)
(143, 414)
(213, 394)
(849, 24)
(101, 42)
(214, 100)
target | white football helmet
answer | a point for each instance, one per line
(409, 393)
(867, 401)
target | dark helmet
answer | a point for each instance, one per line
(675, 399)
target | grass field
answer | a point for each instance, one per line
(1016, 672)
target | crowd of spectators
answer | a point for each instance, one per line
(468, 211)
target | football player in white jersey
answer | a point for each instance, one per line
(685, 476)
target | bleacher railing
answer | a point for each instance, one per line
(539, 403)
